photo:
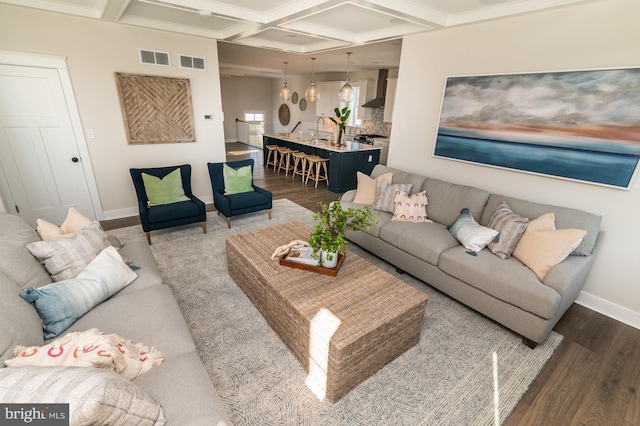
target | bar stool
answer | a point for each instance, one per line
(272, 160)
(285, 159)
(320, 166)
(299, 158)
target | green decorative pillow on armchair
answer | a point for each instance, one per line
(166, 190)
(237, 181)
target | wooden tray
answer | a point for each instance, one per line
(332, 272)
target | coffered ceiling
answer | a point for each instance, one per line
(300, 27)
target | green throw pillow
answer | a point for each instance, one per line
(166, 190)
(237, 181)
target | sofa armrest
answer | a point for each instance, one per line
(348, 196)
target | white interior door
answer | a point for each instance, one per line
(39, 153)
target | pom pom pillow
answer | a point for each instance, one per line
(410, 208)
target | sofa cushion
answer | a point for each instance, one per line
(143, 263)
(511, 226)
(19, 322)
(95, 396)
(366, 189)
(425, 241)
(65, 258)
(173, 211)
(248, 200)
(505, 279)
(386, 193)
(542, 246)
(472, 236)
(447, 199)
(16, 262)
(60, 304)
(565, 218)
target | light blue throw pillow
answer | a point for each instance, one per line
(473, 236)
(62, 303)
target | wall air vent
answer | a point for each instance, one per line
(154, 58)
(191, 62)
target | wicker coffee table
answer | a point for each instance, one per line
(343, 329)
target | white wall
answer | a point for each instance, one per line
(596, 35)
(240, 94)
(95, 51)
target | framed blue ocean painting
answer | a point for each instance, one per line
(578, 125)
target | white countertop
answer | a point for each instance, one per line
(350, 146)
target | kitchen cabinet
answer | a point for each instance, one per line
(389, 99)
(328, 99)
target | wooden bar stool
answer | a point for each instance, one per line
(320, 166)
(272, 157)
(285, 159)
(299, 158)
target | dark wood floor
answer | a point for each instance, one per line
(592, 379)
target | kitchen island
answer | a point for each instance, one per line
(344, 161)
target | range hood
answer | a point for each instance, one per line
(381, 91)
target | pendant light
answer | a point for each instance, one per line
(346, 92)
(285, 93)
(311, 94)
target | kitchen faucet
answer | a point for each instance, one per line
(317, 126)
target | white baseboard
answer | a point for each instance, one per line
(617, 312)
(133, 211)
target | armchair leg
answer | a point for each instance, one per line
(269, 213)
(228, 223)
(149, 238)
(204, 227)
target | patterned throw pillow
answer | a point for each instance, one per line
(65, 258)
(473, 236)
(95, 396)
(385, 194)
(511, 226)
(542, 246)
(410, 208)
(62, 303)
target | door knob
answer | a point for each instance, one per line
(74, 159)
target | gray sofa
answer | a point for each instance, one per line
(502, 289)
(145, 311)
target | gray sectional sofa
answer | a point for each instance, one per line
(502, 289)
(145, 311)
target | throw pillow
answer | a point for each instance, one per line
(90, 348)
(74, 222)
(410, 208)
(511, 226)
(61, 303)
(167, 190)
(65, 258)
(95, 396)
(237, 181)
(473, 236)
(542, 246)
(366, 189)
(385, 194)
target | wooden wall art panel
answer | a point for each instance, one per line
(156, 109)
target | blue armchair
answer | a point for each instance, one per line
(237, 204)
(168, 215)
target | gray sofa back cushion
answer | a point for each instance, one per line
(446, 199)
(19, 321)
(16, 262)
(565, 218)
(400, 176)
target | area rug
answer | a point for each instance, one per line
(465, 370)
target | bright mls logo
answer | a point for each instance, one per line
(34, 414)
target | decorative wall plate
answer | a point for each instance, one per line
(303, 104)
(294, 98)
(284, 114)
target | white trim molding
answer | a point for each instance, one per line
(610, 309)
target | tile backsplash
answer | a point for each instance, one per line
(374, 126)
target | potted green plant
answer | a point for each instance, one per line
(340, 120)
(327, 239)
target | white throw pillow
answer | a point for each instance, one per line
(74, 222)
(366, 190)
(410, 208)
